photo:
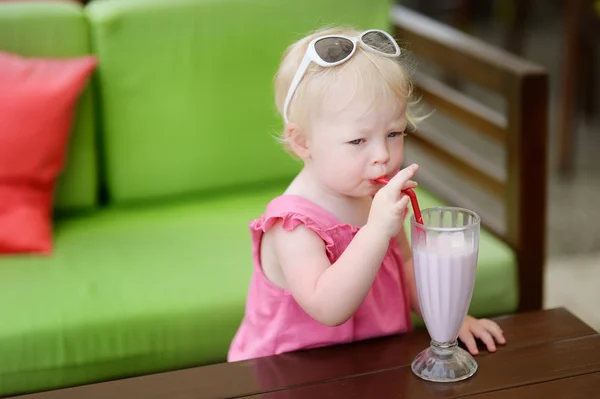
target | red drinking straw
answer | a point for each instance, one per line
(412, 196)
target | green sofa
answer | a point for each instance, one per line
(171, 155)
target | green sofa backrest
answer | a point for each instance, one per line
(186, 88)
(59, 30)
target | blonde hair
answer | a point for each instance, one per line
(372, 74)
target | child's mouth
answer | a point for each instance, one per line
(380, 180)
(377, 181)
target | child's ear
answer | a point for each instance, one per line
(297, 141)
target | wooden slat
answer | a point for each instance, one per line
(314, 366)
(465, 55)
(580, 387)
(488, 158)
(492, 217)
(503, 370)
(463, 108)
(532, 328)
(461, 161)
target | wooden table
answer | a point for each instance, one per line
(549, 354)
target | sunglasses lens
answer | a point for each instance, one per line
(333, 49)
(379, 42)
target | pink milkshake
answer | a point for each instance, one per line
(445, 274)
(445, 249)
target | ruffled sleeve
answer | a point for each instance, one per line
(291, 220)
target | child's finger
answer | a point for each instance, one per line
(410, 184)
(401, 204)
(397, 182)
(486, 338)
(469, 341)
(494, 329)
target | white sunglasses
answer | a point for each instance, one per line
(332, 50)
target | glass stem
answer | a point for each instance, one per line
(443, 349)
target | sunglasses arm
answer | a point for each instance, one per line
(306, 60)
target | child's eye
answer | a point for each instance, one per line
(395, 134)
(355, 142)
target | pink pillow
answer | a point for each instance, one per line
(38, 97)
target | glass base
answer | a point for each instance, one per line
(444, 363)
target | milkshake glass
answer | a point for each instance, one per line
(445, 249)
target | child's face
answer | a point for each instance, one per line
(351, 147)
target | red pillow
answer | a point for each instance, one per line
(38, 98)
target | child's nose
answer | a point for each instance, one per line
(382, 155)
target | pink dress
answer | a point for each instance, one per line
(274, 323)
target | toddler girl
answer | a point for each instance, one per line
(332, 263)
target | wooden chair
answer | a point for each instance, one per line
(519, 186)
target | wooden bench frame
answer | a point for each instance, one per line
(522, 132)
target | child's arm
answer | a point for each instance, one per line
(329, 293)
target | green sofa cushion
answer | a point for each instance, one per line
(496, 283)
(59, 30)
(183, 78)
(127, 292)
(135, 291)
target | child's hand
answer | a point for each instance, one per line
(486, 330)
(387, 208)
